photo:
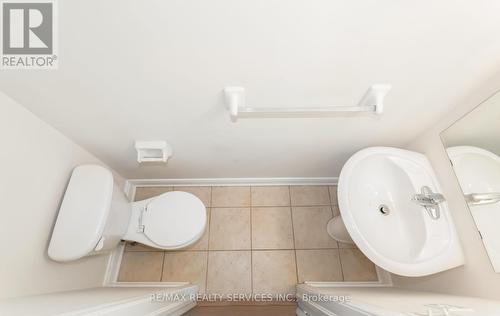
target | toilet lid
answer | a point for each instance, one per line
(174, 219)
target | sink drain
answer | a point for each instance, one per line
(384, 209)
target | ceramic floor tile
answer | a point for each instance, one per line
(319, 265)
(186, 266)
(202, 244)
(260, 218)
(280, 309)
(309, 195)
(141, 266)
(229, 229)
(335, 210)
(333, 195)
(272, 228)
(274, 272)
(347, 245)
(229, 272)
(203, 193)
(230, 196)
(309, 225)
(356, 266)
(142, 193)
(270, 196)
(135, 246)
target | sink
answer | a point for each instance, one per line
(382, 192)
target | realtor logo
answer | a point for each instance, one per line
(28, 35)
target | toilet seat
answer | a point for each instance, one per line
(173, 219)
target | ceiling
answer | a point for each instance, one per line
(148, 70)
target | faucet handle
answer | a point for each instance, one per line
(430, 201)
(436, 197)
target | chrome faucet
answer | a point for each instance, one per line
(482, 198)
(430, 201)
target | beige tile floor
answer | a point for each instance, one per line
(260, 239)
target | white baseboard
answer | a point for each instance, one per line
(131, 184)
(113, 268)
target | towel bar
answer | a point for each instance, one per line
(371, 102)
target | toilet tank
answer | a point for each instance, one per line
(93, 216)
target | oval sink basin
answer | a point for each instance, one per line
(376, 191)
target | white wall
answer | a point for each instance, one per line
(157, 71)
(398, 302)
(480, 128)
(110, 301)
(476, 277)
(35, 164)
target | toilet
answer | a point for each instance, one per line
(95, 215)
(172, 220)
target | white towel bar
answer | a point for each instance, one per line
(371, 102)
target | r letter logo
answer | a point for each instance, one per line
(28, 35)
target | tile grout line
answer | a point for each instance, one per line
(251, 244)
(331, 210)
(251, 206)
(293, 235)
(222, 250)
(338, 244)
(208, 240)
(269, 206)
(341, 267)
(162, 266)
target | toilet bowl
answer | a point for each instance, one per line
(95, 216)
(171, 220)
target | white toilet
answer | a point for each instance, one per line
(95, 216)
